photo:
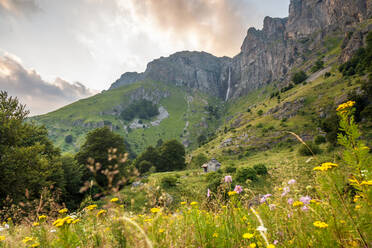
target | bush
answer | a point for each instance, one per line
(304, 151)
(168, 182)
(260, 112)
(320, 139)
(214, 180)
(299, 77)
(327, 74)
(260, 169)
(319, 64)
(230, 169)
(242, 174)
(144, 166)
(68, 139)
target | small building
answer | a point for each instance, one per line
(211, 166)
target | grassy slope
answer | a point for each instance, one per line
(60, 122)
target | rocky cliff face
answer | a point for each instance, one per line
(266, 55)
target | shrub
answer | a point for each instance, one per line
(299, 77)
(319, 139)
(144, 166)
(244, 173)
(327, 74)
(260, 169)
(68, 139)
(260, 112)
(230, 169)
(304, 150)
(168, 182)
(319, 64)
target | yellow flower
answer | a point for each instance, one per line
(231, 193)
(100, 212)
(75, 221)
(193, 203)
(320, 224)
(9, 219)
(2, 238)
(148, 220)
(122, 206)
(368, 183)
(253, 245)
(271, 246)
(342, 221)
(36, 224)
(58, 222)
(91, 207)
(155, 210)
(35, 245)
(183, 203)
(358, 207)
(42, 217)
(63, 211)
(345, 105)
(248, 235)
(27, 239)
(114, 199)
(325, 166)
(161, 230)
(297, 204)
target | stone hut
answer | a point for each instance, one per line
(212, 165)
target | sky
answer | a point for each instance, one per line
(53, 52)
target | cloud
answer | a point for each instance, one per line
(38, 95)
(19, 7)
(217, 25)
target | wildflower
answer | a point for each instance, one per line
(183, 203)
(194, 203)
(231, 193)
(228, 179)
(238, 189)
(27, 239)
(248, 235)
(35, 245)
(261, 229)
(358, 207)
(292, 181)
(290, 201)
(342, 221)
(320, 224)
(276, 242)
(91, 207)
(264, 198)
(53, 230)
(272, 206)
(114, 199)
(297, 204)
(42, 217)
(161, 230)
(305, 199)
(271, 246)
(253, 245)
(208, 193)
(75, 221)
(148, 220)
(325, 166)
(63, 211)
(305, 208)
(285, 191)
(100, 212)
(2, 238)
(345, 105)
(215, 235)
(368, 183)
(356, 198)
(155, 210)
(36, 224)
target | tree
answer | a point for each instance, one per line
(172, 155)
(96, 146)
(28, 160)
(150, 155)
(299, 77)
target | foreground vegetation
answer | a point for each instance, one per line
(333, 211)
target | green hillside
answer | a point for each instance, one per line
(188, 117)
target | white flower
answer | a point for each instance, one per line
(261, 229)
(292, 181)
(53, 231)
(6, 226)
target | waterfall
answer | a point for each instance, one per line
(228, 86)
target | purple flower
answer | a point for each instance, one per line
(276, 242)
(305, 199)
(228, 179)
(292, 181)
(305, 208)
(208, 193)
(238, 189)
(285, 191)
(264, 198)
(290, 201)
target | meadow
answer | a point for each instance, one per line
(331, 208)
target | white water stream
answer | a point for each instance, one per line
(228, 86)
